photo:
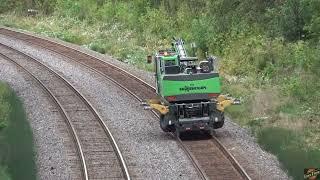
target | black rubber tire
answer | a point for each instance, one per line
(171, 128)
(163, 125)
(218, 125)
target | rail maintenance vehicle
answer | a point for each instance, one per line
(189, 91)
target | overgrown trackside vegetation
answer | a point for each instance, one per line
(16, 142)
(269, 51)
(290, 149)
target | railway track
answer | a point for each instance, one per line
(209, 156)
(98, 155)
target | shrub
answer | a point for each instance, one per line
(158, 23)
(290, 149)
(4, 173)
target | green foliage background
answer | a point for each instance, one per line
(269, 51)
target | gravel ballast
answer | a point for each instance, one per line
(139, 127)
(50, 151)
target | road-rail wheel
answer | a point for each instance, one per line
(219, 124)
(164, 124)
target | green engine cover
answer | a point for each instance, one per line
(193, 84)
(178, 77)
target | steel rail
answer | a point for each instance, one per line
(61, 110)
(231, 158)
(201, 173)
(95, 113)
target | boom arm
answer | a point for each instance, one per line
(179, 47)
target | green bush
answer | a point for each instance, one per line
(4, 174)
(158, 23)
(291, 150)
(106, 13)
(98, 48)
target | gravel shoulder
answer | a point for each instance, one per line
(147, 133)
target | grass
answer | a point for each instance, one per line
(16, 150)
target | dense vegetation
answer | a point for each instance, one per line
(269, 53)
(16, 143)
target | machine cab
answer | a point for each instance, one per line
(180, 77)
(165, 62)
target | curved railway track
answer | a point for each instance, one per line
(97, 151)
(211, 159)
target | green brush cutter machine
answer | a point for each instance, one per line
(189, 92)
